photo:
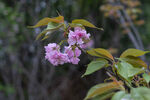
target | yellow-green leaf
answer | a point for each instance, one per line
(93, 53)
(76, 25)
(133, 52)
(102, 88)
(95, 66)
(46, 20)
(99, 52)
(85, 23)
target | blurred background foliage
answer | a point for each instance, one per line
(24, 73)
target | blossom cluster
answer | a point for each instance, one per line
(76, 39)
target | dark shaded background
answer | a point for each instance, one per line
(26, 75)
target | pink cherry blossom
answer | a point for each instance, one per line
(54, 55)
(51, 47)
(87, 45)
(74, 60)
(58, 58)
(77, 36)
(73, 54)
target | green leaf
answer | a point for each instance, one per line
(118, 96)
(135, 61)
(104, 96)
(133, 52)
(100, 89)
(85, 23)
(50, 28)
(146, 77)
(100, 52)
(95, 66)
(121, 95)
(76, 25)
(52, 25)
(141, 93)
(127, 71)
(46, 20)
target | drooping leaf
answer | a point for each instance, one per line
(85, 23)
(121, 95)
(46, 20)
(127, 71)
(140, 93)
(95, 66)
(133, 52)
(135, 61)
(102, 88)
(146, 77)
(99, 52)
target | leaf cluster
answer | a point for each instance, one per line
(125, 72)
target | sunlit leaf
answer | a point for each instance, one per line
(85, 23)
(127, 71)
(146, 77)
(95, 66)
(99, 52)
(133, 52)
(102, 88)
(135, 61)
(46, 20)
